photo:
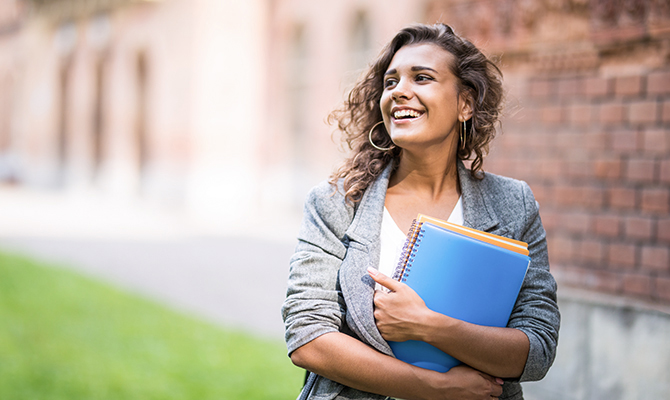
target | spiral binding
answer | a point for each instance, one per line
(408, 251)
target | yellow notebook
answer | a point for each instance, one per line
(496, 240)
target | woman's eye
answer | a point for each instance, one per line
(389, 82)
(421, 78)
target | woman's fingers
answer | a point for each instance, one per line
(389, 283)
(469, 383)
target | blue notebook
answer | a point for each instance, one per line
(461, 277)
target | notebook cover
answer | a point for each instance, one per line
(461, 277)
(500, 241)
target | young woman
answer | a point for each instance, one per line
(429, 101)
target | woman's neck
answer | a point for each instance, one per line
(428, 177)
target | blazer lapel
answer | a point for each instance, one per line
(476, 212)
(355, 282)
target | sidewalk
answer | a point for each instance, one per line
(229, 276)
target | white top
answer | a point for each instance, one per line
(392, 239)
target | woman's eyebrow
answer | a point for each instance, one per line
(421, 68)
(414, 69)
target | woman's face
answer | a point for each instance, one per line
(420, 102)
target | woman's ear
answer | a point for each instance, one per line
(465, 105)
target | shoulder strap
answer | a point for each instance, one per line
(309, 385)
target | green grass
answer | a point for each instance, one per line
(64, 336)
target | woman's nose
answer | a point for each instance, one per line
(401, 91)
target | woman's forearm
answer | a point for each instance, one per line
(501, 352)
(346, 360)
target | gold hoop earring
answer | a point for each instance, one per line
(372, 143)
(464, 135)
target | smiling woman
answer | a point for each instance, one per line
(438, 99)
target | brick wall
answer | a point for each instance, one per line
(588, 127)
(596, 152)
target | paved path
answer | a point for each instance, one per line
(233, 279)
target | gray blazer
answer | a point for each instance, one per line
(330, 290)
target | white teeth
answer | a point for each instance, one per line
(406, 113)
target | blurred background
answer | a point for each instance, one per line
(166, 146)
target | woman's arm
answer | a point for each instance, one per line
(347, 360)
(402, 315)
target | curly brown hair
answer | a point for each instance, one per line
(476, 74)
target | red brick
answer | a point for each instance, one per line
(577, 223)
(538, 142)
(566, 195)
(628, 86)
(665, 171)
(656, 258)
(612, 113)
(591, 251)
(639, 228)
(643, 112)
(552, 114)
(513, 140)
(621, 198)
(594, 141)
(665, 112)
(566, 88)
(655, 200)
(578, 169)
(658, 82)
(639, 285)
(662, 288)
(622, 254)
(608, 167)
(640, 170)
(545, 196)
(568, 140)
(541, 88)
(597, 87)
(663, 230)
(593, 197)
(550, 218)
(656, 141)
(580, 114)
(561, 249)
(607, 225)
(602, 280)
(625, 140)
(552, 168)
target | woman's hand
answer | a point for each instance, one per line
(467, 383)
(399, 313)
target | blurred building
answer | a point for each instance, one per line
(214, 107)
(217, 107)
(158, 99)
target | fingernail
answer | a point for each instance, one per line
(372, 271)
(499, 381)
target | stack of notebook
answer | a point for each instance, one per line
(461, 272)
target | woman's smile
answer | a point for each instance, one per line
(402, 115)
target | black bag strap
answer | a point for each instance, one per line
(310, 379)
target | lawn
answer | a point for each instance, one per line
(65, 336)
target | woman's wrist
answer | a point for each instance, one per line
(432, 385)
(435, 326)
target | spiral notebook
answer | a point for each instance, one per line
(460, 272)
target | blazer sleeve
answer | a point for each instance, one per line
(314, 304)
(536, 310)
